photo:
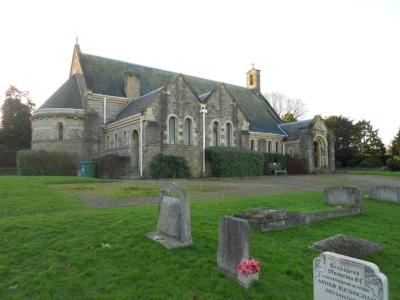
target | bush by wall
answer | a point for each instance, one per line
(233, 162)
(296, 166)
(393, 164)
(46, 163)
(169, 166)
(270, 158)
(8, 158)
(112, 166)
(371, 162)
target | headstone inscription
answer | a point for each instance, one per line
(233, 244)
(338, 276)
(343, 195)
(173, 226)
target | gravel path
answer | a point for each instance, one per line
(216, 188)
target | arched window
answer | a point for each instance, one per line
(115, 140)
(291, 152)
(277, 147)
(60, 131)
(215, 133)
(187, 132)
(252, 145)
(108, 142)
(269, 147)
(125, 138)
(228, 135)
(172, 130)
(251, 80)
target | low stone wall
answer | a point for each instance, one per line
(275, 219)
(386, 193)
(343, 195)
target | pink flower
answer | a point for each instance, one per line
(249, 266)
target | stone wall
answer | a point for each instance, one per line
(261, 141)
(295, 146)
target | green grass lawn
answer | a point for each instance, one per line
(52, 247)
(381, 173)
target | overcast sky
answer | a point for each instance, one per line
(339, 57)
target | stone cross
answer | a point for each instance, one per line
(338, 276)
(233, 244)
(173, 225)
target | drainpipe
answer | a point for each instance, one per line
(203, 111)
(141, 147)
(105, 110)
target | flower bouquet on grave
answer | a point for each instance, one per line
(248, 270)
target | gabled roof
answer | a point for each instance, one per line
(292, 128)
(67, 96)
(106, 76)
(136, 106)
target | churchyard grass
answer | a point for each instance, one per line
(54, 247)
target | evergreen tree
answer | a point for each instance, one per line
(16, 119)
(342, 128)
(395, 145)
(366, 140)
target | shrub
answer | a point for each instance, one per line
(371, 162)
(8, 158)
(393, 164)
(270, 158)
(296, 166)
(46, 163)
(232, 162)
(169, 166)
(112, 166)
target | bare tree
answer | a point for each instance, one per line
(286, 106)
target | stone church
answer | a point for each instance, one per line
(108, 106)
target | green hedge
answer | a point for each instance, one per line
(112, 166)
(169, 166)
(233, 162)
(371, 162)
(46, 163)
(8, 158)
(393, 164)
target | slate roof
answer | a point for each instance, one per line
(292, 128)
(135, 107)
(106, 76)
(67, 96)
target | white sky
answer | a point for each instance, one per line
(339, 56)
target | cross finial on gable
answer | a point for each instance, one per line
(76, 40)
(252, 65)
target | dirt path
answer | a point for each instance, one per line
(221, 188)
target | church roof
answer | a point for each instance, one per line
(292, 128)
(67, 96)
(106, 76)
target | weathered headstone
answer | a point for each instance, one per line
(338, 276)
(173, 226)
(347, 245)
(233, 244)
(386, 193)
(343, 195)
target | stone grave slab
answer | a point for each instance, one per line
(173, 225)
(347, 245)
(386, 193)
(233, 244)
(259, 217)
(338, 276)
(343, 195)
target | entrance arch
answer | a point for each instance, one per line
(135, 150)
(320, 155)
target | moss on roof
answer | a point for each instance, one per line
(107, 76)
(67, 96)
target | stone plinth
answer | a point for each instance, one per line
(386, 193)
(343, 195)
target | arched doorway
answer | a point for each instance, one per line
(319, 153)
(135, 150)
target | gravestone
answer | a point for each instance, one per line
(343, 195)
(338, 276)
(386, 193)
(347, 245)
(173, 226)
(233, 244)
